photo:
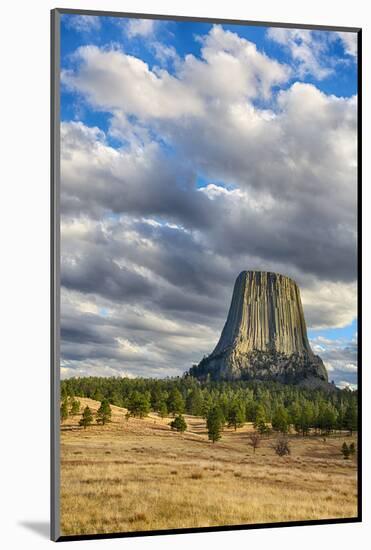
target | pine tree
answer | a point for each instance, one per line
(116, 399)
(64, 410)
(340, 418)
(178, 424)
(305, 419)
(176, 403)
(236, 415)
(104, 412)
(350, 418)
(86, 417)
(260, 423)
(75, 407)
(97, 395)
(206, 405)
(328, 420)
(251, 409)
(158, 397)
(280, 420)
(139, 404)
(162, 409)
(294, 414)
(214, 424)
(194, 402)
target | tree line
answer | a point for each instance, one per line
(269, 405)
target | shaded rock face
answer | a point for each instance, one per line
(265, 336)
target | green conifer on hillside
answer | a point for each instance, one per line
(104, 412)
(214, 424)
(86, 417)
(178, 424)
(75, 406)
(64, 410)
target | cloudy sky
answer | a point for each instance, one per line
(191, 152)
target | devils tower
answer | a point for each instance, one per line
(265, 336)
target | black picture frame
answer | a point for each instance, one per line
(55, 272)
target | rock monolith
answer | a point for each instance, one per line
(265, 336)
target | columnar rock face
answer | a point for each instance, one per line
(265, 336)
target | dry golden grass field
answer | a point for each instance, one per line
(139, 475)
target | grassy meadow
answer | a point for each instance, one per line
(137, 474)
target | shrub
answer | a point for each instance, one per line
(281, 446)
(178, 424)
(345, 451)
(254, 440)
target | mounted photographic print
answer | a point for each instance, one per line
(205, 281)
